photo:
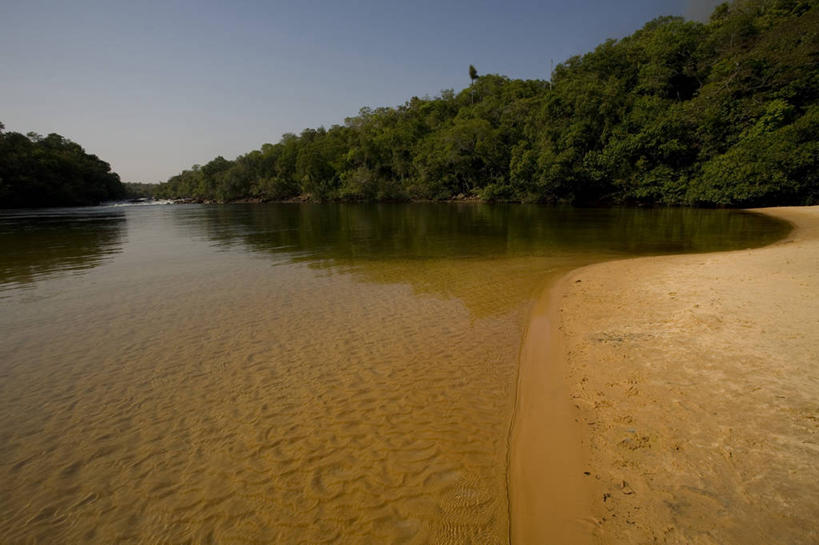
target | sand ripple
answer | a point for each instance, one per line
(259, 406)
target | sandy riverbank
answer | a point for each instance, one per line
(695, 385)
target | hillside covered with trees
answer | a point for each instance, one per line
(37, 171)
(678, 113)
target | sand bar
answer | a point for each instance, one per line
(693, 390)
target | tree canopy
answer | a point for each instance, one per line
(678, 113)
(38, 171)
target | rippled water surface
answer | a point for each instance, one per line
(283, 373)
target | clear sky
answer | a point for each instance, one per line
(155, 87)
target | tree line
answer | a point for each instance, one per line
(678, 113)
(37, 171)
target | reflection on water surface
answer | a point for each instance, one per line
(427, 231)
(37, 244)
(284, 373)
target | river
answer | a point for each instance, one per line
(284, 373)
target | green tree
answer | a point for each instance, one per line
(38, 171)
(677, 113)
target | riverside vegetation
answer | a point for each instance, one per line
(52, 171)
(39, 171)
(678, 113)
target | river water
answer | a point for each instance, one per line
(284, 373)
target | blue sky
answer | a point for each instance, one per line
(155, 87)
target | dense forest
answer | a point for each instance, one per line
(678, 113)
(38, 171)
(137, 190)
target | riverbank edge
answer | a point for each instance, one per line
(549, 498)
(572, 490)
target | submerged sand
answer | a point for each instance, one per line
(694, 382)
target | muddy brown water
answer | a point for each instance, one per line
(284, 373)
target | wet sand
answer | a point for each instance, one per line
(694, 381)
(548, 496)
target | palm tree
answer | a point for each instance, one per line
(473, 75)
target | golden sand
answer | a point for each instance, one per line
(695, 389)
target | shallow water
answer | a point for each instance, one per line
(283, 373)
